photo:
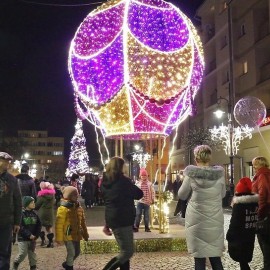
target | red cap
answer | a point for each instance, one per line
(244, 185)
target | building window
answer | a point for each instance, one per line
(223, 42)
(223, 6)
(57, 153)
(225, 77)
(245, 67)
(242, 30)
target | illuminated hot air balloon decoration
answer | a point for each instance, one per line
(136, 67)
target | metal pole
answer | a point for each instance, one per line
(231, 97)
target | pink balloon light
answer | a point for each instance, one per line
(136, 67)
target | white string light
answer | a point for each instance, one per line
(223, 133)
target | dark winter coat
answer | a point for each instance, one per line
(27, 185)
(30, 225)
(88, 190)
(10, 200)
(241, 232)
(119, 196)
(45, 206)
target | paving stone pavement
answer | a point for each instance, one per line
(52, 258)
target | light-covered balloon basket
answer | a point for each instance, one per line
(136, 67)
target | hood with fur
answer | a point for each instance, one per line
(204, 176)
(246, 198)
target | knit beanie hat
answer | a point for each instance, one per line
(27, 200)
(46, 185)
(143, 172)
(244, 185)
(68, 191)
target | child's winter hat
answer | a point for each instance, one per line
(244, 185)
(27, 200)
(143, 172)
(46, 185)
(68, 191)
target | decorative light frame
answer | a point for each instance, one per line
(141, 158)
(136, 66)
(226, 133)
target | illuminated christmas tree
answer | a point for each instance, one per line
(78, 158)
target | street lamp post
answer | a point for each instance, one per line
(230, 137)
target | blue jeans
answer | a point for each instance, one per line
(145, 208)
(5, 246)
(124, 238)
(73, 251)
(215, 263)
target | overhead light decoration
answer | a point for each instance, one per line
(136, 67)
(141, 158)
(223, 134)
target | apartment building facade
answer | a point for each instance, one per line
(43, 153)
(241, 54)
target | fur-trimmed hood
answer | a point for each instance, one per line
(204, 176)
(45, 192)
(245, 198)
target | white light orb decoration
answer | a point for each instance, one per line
(249, 111)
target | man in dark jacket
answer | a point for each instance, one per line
(26, 182)
(10, 210)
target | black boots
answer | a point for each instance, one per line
(67, 267)
(115, 264)
(125, 266)
(42, 237)
(50, 237)
(112, 264)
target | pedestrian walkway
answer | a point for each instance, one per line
(52, 258)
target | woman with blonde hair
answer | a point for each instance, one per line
(261, 186)
(119, 194)
(204, 223)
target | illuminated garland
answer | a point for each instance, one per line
(136, 67)
(223, 133)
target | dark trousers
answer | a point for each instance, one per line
(124, 239)
(215, 263)
(244, 266)
(264, 243)
(5, 246)
(181, 207)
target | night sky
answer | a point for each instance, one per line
(36, 90)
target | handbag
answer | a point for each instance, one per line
(263, 226)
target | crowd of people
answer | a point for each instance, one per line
(27, 207)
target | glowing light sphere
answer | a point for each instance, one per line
(136, 67)
(249, 111)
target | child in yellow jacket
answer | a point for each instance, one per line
(70, 226)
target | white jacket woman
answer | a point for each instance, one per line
(205, 185)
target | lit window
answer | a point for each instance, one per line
(245, 67)
(57, 153)
(223, 6)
